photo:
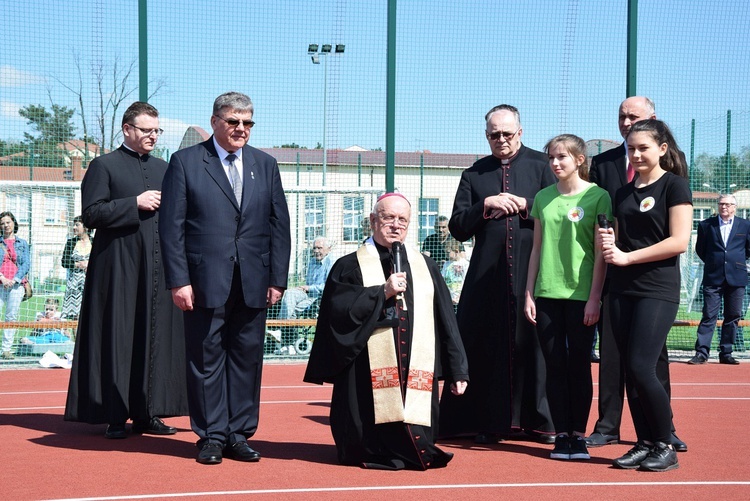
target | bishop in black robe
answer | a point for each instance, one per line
(129, 359)
(507, 366)
(349, 313)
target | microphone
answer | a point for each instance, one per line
(602, 220)
(396, 249)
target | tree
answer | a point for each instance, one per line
(54, 129)
(112, 89)
(720, 173)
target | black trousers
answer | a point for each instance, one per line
(641, 326)
(224, 364)
(612, 373)
(566, 346)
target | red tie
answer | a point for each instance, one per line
(630, 172)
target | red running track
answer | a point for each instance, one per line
(47, 458)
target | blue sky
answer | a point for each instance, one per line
(561, 62)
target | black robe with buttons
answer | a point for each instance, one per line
(349, 313)
(129, 359)
(506, 364)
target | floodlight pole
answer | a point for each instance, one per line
(312, 51)
(325, 115)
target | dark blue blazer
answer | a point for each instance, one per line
(724, 262)
(204, 231)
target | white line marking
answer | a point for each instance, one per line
(400, 488)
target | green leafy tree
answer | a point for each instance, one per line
(54, 128)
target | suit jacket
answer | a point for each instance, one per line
(205, 232)
(608, 170)
(724, 262)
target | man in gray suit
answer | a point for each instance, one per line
(226, 244)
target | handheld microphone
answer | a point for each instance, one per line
(602, 220)
(396, 249)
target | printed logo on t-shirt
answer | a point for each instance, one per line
(647, 204)
(575, 214)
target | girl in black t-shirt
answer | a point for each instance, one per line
(654, 218)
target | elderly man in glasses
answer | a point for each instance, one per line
(386, 334)
(129, 355)
(226, 242)
(507, 368)
(723, 244)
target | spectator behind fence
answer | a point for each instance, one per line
(14, 266)
(75, 259)
(298, 300)
(611, 170)
(381, 338)
(493, 202)
(226, 243)
(564, 287)
(723, 244)
(654, 220)
(434, 244)
(455, 268)
(45, 335)
(129, 354)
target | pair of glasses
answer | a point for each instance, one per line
(726, 204)
(387, 219)
(148, 132)
(505, 135)
(233, 122)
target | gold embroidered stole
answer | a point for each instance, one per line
(416, 407)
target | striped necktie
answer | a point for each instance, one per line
(234, 178)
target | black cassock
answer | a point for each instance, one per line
(349, 314)
(506, 363)
(129, 359)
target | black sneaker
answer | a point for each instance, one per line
(578, 449)
(661, 458)
(633, 458)
(562, 448)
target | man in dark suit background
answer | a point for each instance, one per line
(226, 244)
(723, 244)
(611, 170)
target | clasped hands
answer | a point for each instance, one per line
(503, 204)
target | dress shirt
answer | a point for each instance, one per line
(317, 273)
(726, 228)
(223, 154)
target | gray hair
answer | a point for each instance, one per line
(323, 240)
(504, 107)
(727, 195)
(236, 101)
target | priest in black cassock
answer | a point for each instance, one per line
(129, 359)
(492, 204)
(384, 338)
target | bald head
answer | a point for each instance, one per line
(632, 110)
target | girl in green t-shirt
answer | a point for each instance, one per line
(563, 288)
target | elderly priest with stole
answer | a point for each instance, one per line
(386, 334)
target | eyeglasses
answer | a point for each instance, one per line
(505, 135)
(390, 219)
(148, 132)
(233, 122)
(726, 204)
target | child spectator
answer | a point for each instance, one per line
(47, 336)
